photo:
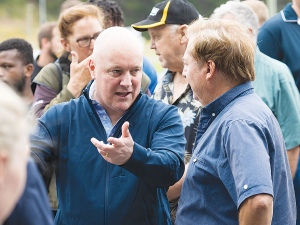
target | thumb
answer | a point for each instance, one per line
(125, 130)
(74, 58)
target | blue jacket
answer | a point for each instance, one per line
(33, 207)
(93, 191)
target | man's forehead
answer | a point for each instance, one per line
(10, 55)
(158, 29)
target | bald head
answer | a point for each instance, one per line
(116, 68)
(116, 39)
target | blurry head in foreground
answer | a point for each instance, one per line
(13, 149)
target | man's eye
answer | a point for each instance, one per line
(6, 66)
(116, 71)
(136, 71)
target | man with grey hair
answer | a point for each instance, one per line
(274, 84)
(167, 24)
(239, 171)
(115, 150)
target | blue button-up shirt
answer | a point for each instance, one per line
(239, 153)
(103, 116)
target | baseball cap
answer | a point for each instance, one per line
(169, 12)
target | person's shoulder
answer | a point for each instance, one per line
(48, 76)
(248, 107)
(273, 65)
(273, 23)
(156, 105)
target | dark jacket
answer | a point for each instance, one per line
(33, 207)
(93, 191)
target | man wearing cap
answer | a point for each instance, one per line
(167, 24)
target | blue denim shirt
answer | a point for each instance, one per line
(239, 153)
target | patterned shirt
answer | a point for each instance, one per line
(188, 108)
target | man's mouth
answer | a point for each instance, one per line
(123, 94)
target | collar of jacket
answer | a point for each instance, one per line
(288, 14)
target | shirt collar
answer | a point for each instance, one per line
(288, 14)
(168, 78)
(216, 106)
(91, 92)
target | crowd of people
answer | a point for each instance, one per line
(90, 135)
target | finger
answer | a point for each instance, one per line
(74, 58)
(103, 153)
(85, 62)
(125, 130)
(101, 146)
(114, 141)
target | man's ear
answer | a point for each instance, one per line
(28, 70)
(183, 29)
(65, 44)
(92, 68)
(45, 43)
(3, 165)
(210, 69)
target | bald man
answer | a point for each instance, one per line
(115, 150)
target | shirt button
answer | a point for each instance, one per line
(213, 114)
(246, 187)
(194, 160)
(104, 117)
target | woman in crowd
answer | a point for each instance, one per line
(65, 79)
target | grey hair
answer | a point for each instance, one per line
(173, 28)
(241, 12)
(12, 113)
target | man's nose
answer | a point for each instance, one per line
(152, 44)
(126, 80)
(1, 72)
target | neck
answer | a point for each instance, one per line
(27, 94)
(179, 79)
(44, 59)
(113, 115)
(219, 87)
(296, 9)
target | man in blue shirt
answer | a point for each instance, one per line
(239, 171)
(115, 150)
(279, 38)
(275, 85)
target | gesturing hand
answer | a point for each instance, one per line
(120, 150)
(79, 75)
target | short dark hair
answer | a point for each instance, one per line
(46, 31)
(22, 46)
(113, 13)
